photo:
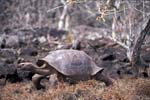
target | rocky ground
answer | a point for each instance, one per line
(30, 45)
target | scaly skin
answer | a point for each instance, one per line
(41, 72)
(104, 78)
(36, 81)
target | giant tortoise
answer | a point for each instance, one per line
(67, 64)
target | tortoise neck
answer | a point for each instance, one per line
(41, 71)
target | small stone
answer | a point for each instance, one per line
(12, 41)
(42, 39)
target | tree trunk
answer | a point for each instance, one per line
(136, 59)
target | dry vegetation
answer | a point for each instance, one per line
(124, 89)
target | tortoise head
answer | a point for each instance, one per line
(27, 66)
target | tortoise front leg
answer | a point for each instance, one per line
(36, 79)
(53, 79)
(100, 77)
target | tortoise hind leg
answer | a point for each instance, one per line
(36, 79)
(100, 77)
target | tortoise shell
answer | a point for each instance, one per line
(72, 63)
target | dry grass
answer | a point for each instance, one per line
(129, 89)
(125, 89)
